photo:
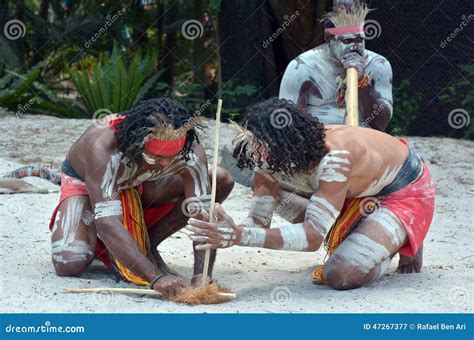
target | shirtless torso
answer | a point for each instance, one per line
(98, 163)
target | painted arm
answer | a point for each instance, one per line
(297, 85)
(321, 213)
(376, 99)
(197, 198)
(100, 178)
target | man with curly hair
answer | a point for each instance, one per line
(128, 183)
(326, 166)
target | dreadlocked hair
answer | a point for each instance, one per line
(141, 120)
(291, 138)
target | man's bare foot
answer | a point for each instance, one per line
(162, 266)
(409, 264)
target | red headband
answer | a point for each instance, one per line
(345, 30)
(165, 147)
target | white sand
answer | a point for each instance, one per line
(265, 281)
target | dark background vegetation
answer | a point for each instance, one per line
(143, 53)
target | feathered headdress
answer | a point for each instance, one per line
(347, 19)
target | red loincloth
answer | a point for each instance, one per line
(71, 186)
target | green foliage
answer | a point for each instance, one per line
(24, 93)
(230, 93)
(406, 108)
(16, 89)
(461, 95)
(113, 84)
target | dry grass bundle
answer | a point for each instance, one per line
(203, 295)
(208, 294)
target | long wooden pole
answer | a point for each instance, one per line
(137, 291)
(352, 97)
(207, 257)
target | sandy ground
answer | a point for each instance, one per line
(264, 281)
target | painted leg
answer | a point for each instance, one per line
(409, 264)
(73, 237)
(365, 254)
(157, 193)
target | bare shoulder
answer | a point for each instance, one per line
(378, 65)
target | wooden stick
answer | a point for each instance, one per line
(352, 97)
(207, 257)
(127, 291)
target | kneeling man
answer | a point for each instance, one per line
(128, 183)
(320, 179)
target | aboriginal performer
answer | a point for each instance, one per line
(315, 80)
(363, 193)
(128, 183)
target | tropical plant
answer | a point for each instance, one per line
(114, 84)
(406, 108)
(24, 93)
(460, 95)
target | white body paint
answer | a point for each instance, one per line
(108, 209)
(318, 68)
(387, 177)
(392, 226)
(253, 237)
(362, 252)
(69, 222)
(333, 167)
(294, 237)
(198, 172)
(110, 176)
(321, 214)
(261, 209)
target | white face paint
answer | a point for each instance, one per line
(148, 159)
(108, 181)
(294, 237)
(362, 252)
(391, 226)
(321, 215)
(108, 208)
(387, 177)
(253, 237)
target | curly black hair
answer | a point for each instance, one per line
(142, 118)
(291, 138)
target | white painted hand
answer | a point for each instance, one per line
(221, 234)
(355, 60)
